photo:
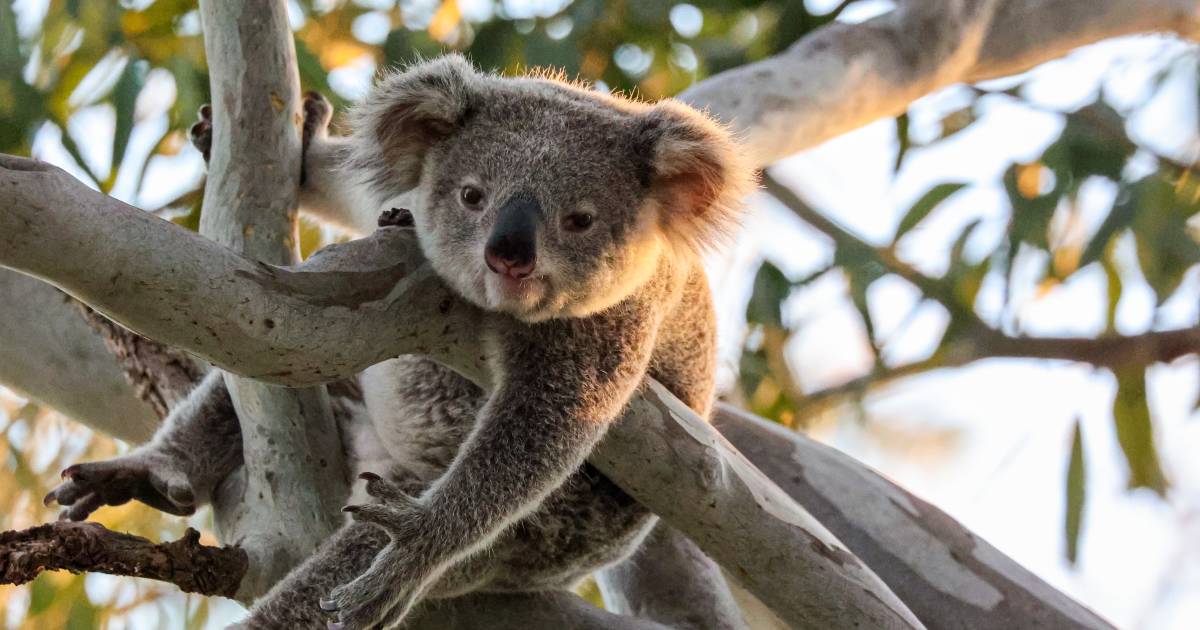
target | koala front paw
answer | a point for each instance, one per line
(200, 133)
(389, 588)
(318, 111)
(146, 477)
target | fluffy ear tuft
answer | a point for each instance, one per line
(696, 174)
(405, 114)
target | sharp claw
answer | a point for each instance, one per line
(69, 472)
(369, 476)
(350, 508)
(48, 499)
(328, 604)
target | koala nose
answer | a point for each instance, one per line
(512, 248)
(518, 265)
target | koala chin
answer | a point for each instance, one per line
(581, 216)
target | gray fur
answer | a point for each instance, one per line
(493, 493)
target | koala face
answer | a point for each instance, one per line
(541, 199)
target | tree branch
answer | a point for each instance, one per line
(160, 375)
(778, 552)
(80, 547)
(48, 353)
(843, 76)
(294, 480)
(669, 579)
(948, 576)
(976, 340)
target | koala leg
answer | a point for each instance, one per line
(199, 444)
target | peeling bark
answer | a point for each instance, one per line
(80, 547)
(160, 375)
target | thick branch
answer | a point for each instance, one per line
(79, 547)
(948, 576)
(294, 477)
(48, 353)
(844, 76)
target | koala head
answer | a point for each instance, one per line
(540, 198)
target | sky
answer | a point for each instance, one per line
(987, 443)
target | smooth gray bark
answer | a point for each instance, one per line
(48, 353)
(286, 500)
(670, 579)
(843, 76)
(947, 575)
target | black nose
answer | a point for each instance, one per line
(512, 248)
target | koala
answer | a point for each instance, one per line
(578, 219)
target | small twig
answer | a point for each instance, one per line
(87, 546)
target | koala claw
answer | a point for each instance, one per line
(381, 596)
(388, 589)
(200, 133)
(141, 476)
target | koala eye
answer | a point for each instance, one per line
(471, 197)
(577, 221)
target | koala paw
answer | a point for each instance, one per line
(387, 590)
(318, 111)
(146, 477)
(200, 133)
(398, 217)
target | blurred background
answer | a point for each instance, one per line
(1059, 202)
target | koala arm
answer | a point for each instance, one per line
(332, 195)
(562, 383)
(198, 445)
(329, 189)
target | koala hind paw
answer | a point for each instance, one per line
(141, 476)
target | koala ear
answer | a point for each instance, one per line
(696, 174)
(405, 114)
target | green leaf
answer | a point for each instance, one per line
(10, 49)
(1115, 288)
(1135, 432)
(771, 288)
(1093, 142)
(1076, 494)
(124, 97)
(1164, 246)
(904, 143)
(921, 209)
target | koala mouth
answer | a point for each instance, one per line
(518, 296)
